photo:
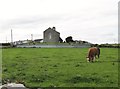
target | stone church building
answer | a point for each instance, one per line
(51, 35)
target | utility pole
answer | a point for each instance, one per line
(31, 37)
(11, 36)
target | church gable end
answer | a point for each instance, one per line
(51, 35)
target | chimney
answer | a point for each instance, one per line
(54, 28)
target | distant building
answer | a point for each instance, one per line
(20, 42)
(51, 35)
(38, 40)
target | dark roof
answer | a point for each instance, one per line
(38, 39)
(52, 29)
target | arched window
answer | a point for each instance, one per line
(50, 35)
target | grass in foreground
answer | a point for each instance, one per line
(60, 67)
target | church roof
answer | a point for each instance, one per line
(53, 29)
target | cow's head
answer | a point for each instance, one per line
(88, 59)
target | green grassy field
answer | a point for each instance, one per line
(60, 67)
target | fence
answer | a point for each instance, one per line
(52, 46)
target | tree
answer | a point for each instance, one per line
(69, 39)
(60, 40)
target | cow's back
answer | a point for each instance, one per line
(92, 51)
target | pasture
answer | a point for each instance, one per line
(59, 67)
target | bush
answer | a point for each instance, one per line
(5, 44)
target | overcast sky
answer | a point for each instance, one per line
(95, 21)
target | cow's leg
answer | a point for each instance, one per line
(95, 56)
(98, 55)
(92, 58)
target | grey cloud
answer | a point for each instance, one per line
(30, 21)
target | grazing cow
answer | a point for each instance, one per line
(92, 52)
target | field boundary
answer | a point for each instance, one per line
(53, 46)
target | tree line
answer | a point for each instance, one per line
(107, 45)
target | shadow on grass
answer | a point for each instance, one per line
(99, 61)
(82, 79)
(106, 61)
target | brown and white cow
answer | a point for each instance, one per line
(92, 53)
